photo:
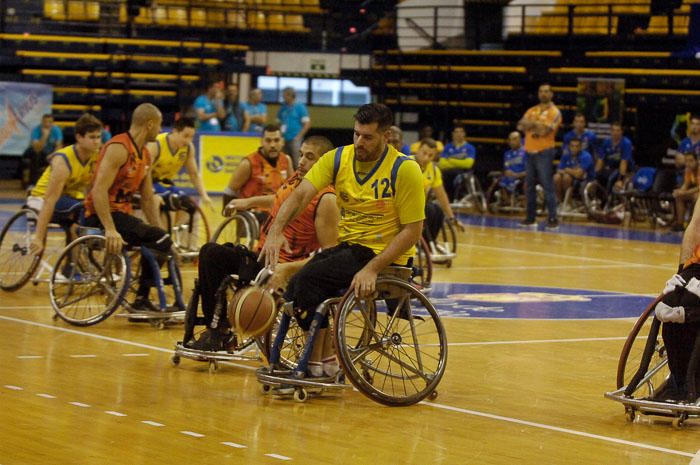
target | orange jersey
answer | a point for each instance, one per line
(300, 233)
(128, 178)
(265, 179)
(550, 117)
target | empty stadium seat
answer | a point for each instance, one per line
(54, 9)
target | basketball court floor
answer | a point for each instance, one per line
(535, 322)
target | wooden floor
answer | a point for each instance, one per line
(516, 390)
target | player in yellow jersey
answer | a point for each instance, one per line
(381, 199)
(60, 190)
(435, 210)
(171, 151)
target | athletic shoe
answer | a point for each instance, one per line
(552, 224)
(527, 224)
(143, 304)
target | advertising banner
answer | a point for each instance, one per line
(220, 154)
(22, 106)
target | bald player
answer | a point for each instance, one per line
(123, 169)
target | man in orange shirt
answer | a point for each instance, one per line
(540, 124)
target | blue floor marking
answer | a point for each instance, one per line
(610, 232)
(530, 302)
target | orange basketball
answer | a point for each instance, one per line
(252, 311)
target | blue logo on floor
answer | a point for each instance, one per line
(491, 301)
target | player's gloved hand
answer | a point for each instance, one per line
(676, 280)
(668, 314)
(693, 286)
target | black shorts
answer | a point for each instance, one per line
(135, 231)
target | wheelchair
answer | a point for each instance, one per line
(470, 193)
(88, 285)
(573, 205)
(240, 349)
(501, 200)
(242, 227)
(443, 248)
(392, 347)
(186, 223)
(643, 374)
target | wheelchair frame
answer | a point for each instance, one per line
(652, 366)
(393, 281)
(245, 220)
(109, 275)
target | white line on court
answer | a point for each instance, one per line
(152, 423)
(80, 404)
(29, 357)
(537, 341)
(135, 355)
(234, 445)
(543, 267)
(696, 459)
(46, 396)
(193, 434)
(116, 414)
(557, 255)
(14, 388)
(444, 407)
(83, 356)
(278, 457)
(558, 429)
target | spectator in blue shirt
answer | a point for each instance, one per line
(457, 158)
(514, 162)
(106, 135)
(295, 122)
(45, 140)
(209, 108)
(255, 111)
(615, 163)
(235, 120)
(396, 140)
(579, 131)
(575, 168)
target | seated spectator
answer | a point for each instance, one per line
(575, 167)
(106, 134)
(263, 171)
(686, 195)
(45, 140)
(615, 163)
(457, 158)
(396, 140)
(514, 164)
(579, 131)
(235, 120)
(255, 112)
(209, 107)
(425, 131)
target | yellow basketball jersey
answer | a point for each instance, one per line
(78, 180)
(168, 164)
(432, 177)
(373, 207)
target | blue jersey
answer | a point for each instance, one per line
(612, 154)
(584, 160)
(204, 103)
(588, 140)
(515, 161)
(687, 146)
(292, 118)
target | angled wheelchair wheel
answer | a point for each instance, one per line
(87, 285)
(643, 361)
(477, 193)
(17, 263)
(393, 348)
(188, 231)
(595, 198)
(241, 228)
(446, 241)
(292, 344)
(422, 265)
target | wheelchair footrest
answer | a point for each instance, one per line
(656, 407)
(287, 378)
(248, 353)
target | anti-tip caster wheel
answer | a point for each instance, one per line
(175, 360)
(679, 422)
(213, 366)
(630, 415)
(433, 395)
(300, 395)
(265, 388)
